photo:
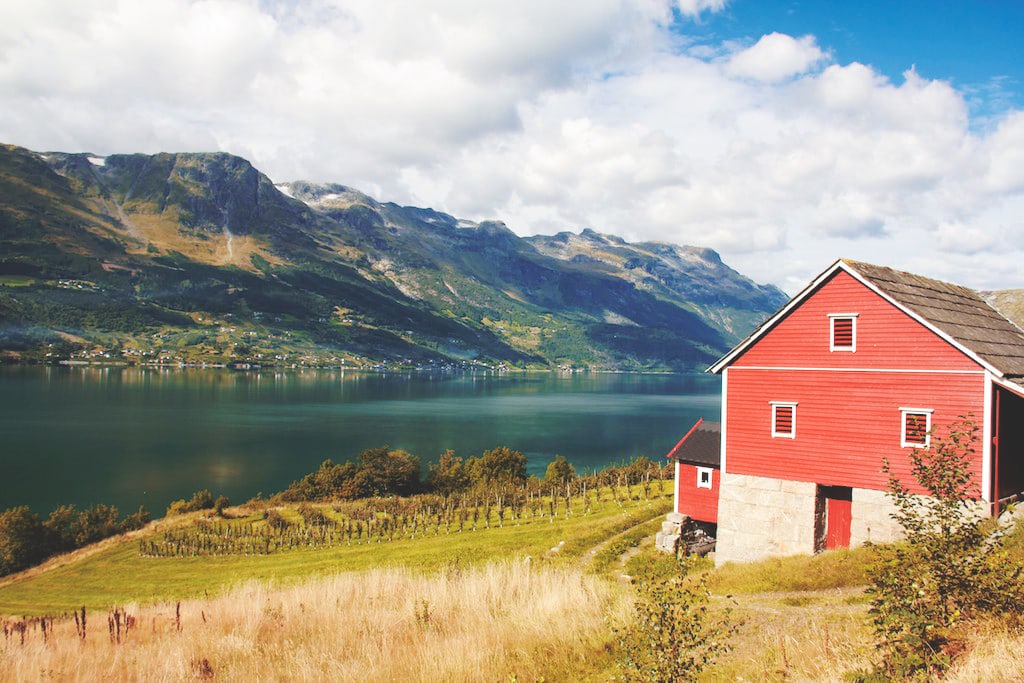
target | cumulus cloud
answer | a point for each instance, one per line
(550, 116)
(775, 57)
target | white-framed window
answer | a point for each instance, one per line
(842, 331)
(704, 475)
(783, 420)
(916, 427)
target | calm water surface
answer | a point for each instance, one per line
(133, 436)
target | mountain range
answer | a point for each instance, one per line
(202, 258)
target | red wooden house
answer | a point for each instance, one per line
(696, 458)
(695, 511)
(859, 366)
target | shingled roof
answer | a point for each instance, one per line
(702, 445)
(957, 311)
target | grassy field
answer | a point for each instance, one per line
(537, 600)
(116, 574)
(502, 621)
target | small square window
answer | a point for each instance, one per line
(917, 427)
(704, 477)
(783, 420)
(842, 332)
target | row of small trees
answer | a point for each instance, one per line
(382, 471)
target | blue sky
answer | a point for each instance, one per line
(977, 45)
(783, 134)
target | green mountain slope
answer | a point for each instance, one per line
(199, 257)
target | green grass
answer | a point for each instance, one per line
(606, 557)
(118, 575)
(831, 570)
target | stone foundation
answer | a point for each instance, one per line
(872, 521)
(760, 517)
(667, 540)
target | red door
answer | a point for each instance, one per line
(838, 515)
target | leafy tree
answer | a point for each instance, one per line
(96, 523)
(559, 470)
(62, 529)
(21, 533)
(200, 500)
(499, 465)
(136, 520)
(449, 475)
(951, 568)
(328, 481)
(386, 472)
(219, 505)
(674, 635)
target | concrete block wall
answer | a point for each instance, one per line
(760, 517)
(872, 518)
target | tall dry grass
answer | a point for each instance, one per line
(489, 623)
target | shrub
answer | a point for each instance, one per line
(448, 476)
(951, 568)
(674, 636)
(275, 520)
(499, 465)
(136, 520)
(559, 471)
(200, 500)
(20, 532)
(219, 505)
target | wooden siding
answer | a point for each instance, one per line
(885, 336)
(697, 503)
(846, 422)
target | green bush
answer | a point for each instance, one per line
(674, 636)
(200, 500)
(559, 471)
(951, 568)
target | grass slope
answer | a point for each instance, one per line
(117, 574)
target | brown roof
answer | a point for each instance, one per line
(702, 446)
(956, 311)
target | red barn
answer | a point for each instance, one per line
(697, 477)
(695, 512)
(859, 366)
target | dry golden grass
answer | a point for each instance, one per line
(817, 639)
(486, 624)
(994, 654)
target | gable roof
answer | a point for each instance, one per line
(957, 314)
(702, 445)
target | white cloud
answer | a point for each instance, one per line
(550, 116)
(694, 8)
(776, 57)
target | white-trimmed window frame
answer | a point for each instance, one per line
(705, 477)
(852, 317)
(775, 409)
(927, 412)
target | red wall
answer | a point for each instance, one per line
(886, 337)
(846, 421)
(698, 504)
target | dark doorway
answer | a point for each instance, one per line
(1009, 444)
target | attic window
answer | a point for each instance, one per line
(917, 426)
(704, 477)
(842, 331)
(783, 420)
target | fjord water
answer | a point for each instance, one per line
(133, 436)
